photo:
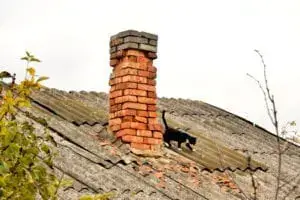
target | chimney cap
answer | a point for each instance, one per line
(132, 39)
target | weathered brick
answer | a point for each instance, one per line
(151, 82)
(144, 133)
(126, 131)
(128, 119)
(132, 52)
(142, 59)
(146, 100)
(151, 94)
(141, 119)
(112, 50)
(115, 128)
(146, 47)
(142, 113)
(153, 42)
(128, 85)
(151, 108)
(152, 69)
(127, 112)
(135, 92)
(115, 81)
(137, 106)
(114, 62)
(126, 98)
(143, 73)
(152, 121)
(152, 75)
(127, 71)
(132, 58)
(140, 146)
(112, 88)
(115, 108)
(157, 134)
(112, 115)
(155, 127)
(132, 138)
(138, 125)
(116, 121)
(129, 46)
(152, 114)
(115, 94)
(125, 125)
(128, 33)
(152, 55)
(112, 102)
(135, 39)
(135, 79)
(146, 87)
(116, 41)
(152, 141)
(133, 65)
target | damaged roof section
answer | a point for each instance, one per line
(90, 156)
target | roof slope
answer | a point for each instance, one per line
(89, 156)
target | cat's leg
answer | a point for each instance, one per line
(189, 146)
(179, 146)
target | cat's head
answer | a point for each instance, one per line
(192, 140)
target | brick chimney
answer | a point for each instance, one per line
(132, 97)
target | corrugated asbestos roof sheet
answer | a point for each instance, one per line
(77, 121)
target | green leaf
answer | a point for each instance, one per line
(25, 58)
(35, 60)
(28, 54)
(5, 74)
(293, 123)
(42, 78)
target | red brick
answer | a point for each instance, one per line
(152, 55)
(125, 125)
(115, 108)
(112, 88)
(152, 114)
(146, 87)
(126, 72)
(116, 121)
(112, 115)
(128, 85)
(151, 94)
(146, 100)
(112, 102)
(126, 132)
(152, 75)
(133, 65)
(132, 52)
(135, 79)
(137, 106)
(132, 138)
(152, 69)
(132, 58)
(115, 128)
(152, 121)
(142, 113)
(141, 119)
(135, 92)
(151, 108)
(115, 94)
(140, 146)
(128, 119)
(143, 73)
(157, 134)
(155, 127)
(114, 81)
(114, 62)
(139, 126)
(151, 82)
(142, 59)
(126, 98)
(144, 133)
(127, 112)
(152, 141)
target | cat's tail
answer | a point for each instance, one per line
(164, 119)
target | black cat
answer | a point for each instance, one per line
(176, 135)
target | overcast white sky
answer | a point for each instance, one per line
(205, 47)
